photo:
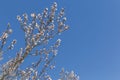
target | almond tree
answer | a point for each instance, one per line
(38, 29)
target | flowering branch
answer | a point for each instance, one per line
(38, 30)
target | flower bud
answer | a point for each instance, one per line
(9, 31)
(33, 15)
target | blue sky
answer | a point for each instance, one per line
(91, 47)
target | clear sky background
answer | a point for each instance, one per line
(91, 47)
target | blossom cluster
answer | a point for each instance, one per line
(65, 75)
